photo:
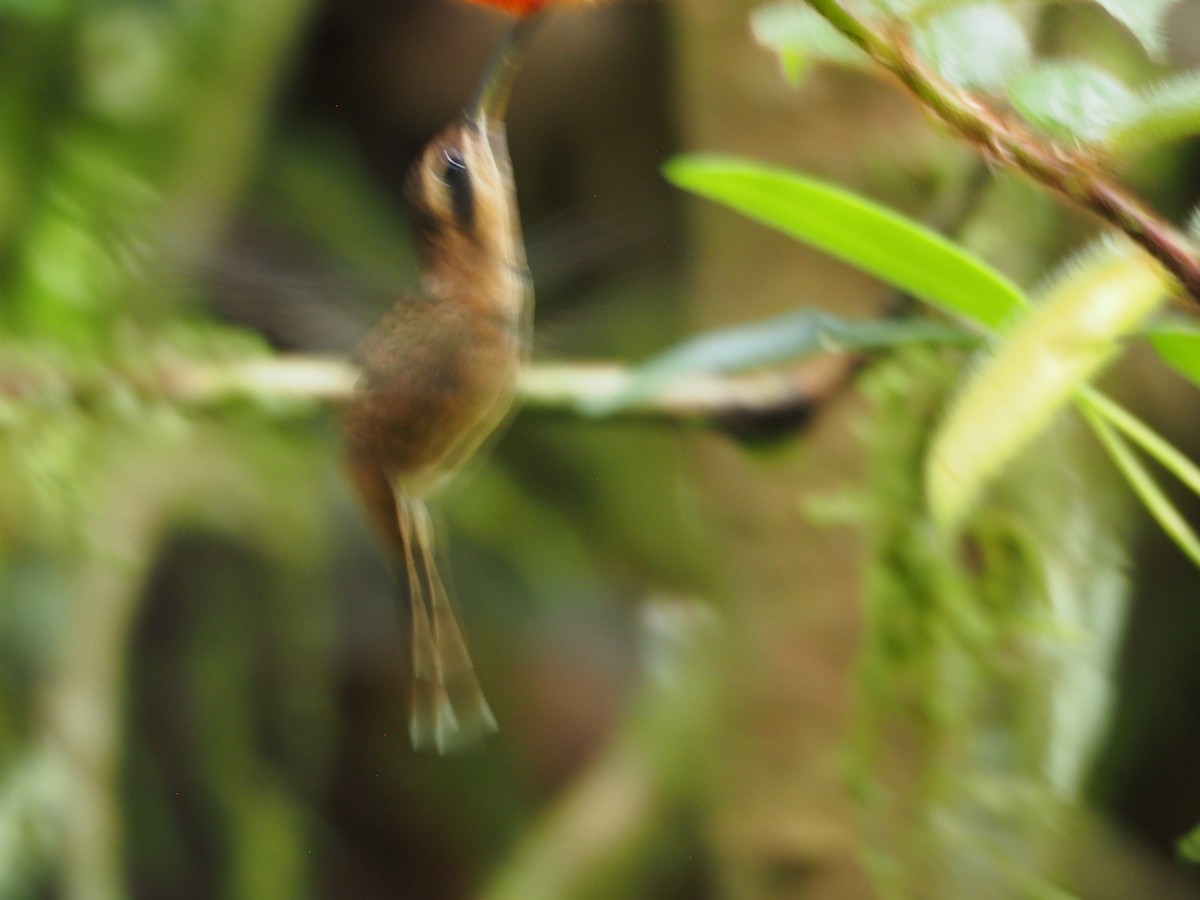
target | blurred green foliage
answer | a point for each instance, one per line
(201, 673)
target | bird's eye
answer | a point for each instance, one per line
(454, 166)
(457, 179)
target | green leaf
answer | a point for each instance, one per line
(1144, 18)
(1065, 341)
(1154, 445)
(800, 36)
(1163, 112)
(1073, 100)
(876, 240)
(977, 46)
(773, 342)
(1188, 846)
(1177, 342)
(1143, 484)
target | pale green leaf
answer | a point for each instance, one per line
(1143, 484)
(1065, 341)
(977, 46)
(870, 237)
(1164, 112)
(800, 36)
(773, 342)
(1144, 18)
(1075, 100)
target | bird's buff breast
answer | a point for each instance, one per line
(428, 399)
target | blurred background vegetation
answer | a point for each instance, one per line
(721, 667)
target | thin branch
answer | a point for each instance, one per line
(758, 405)
(314, 378)
(1005, 142)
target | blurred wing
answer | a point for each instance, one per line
(299, 297)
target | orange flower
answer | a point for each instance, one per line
(521, 8)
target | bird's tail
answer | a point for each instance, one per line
(449, 711)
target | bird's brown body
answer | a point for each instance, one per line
(436, 381)
(438, 376)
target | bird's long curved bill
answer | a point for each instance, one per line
(491, 100)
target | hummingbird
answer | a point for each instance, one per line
(438, 377)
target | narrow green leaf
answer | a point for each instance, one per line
(1073, 100)
(1144, 18)
(1065, 341)
(876, 240)
(1143, 484)
(800, 36)
(1154, 445)
(978, 46)
(773, 342)
(1163, 112)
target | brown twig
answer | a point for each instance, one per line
(1005, 142)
